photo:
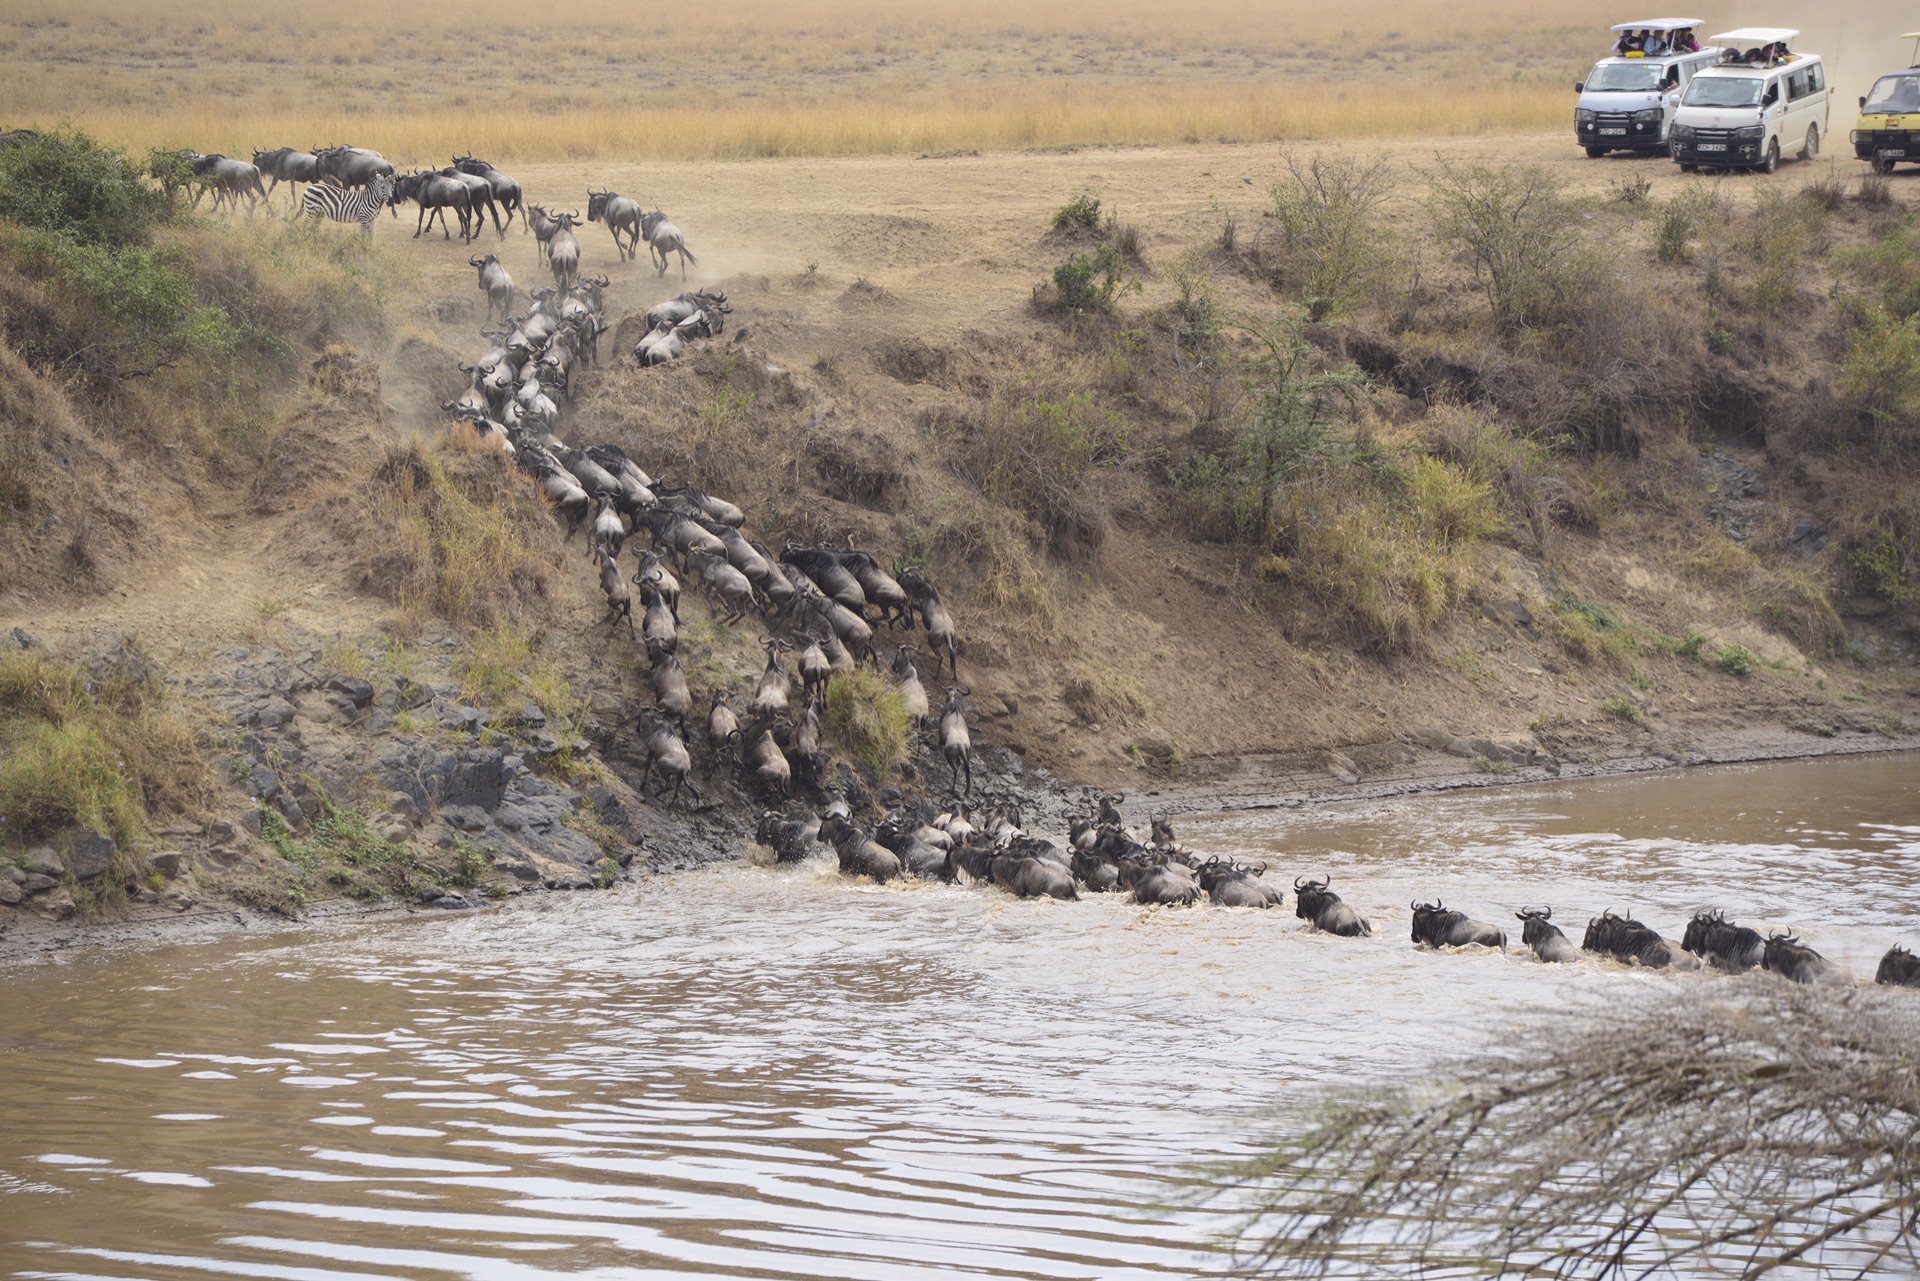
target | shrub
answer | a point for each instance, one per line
(1680, 220)
(1779, 237)
(1292, 408)
(1880, 373)
(1735, 659)
(1448, 505)
(1889, 267)
(1332, 248)
(1621, 707)
(66, 184)
(1083, 283)
(1885, 556)
(869, 719)
(100, 749)
(1081, 213)
(1036, 452)
(1518, 470)
(1519, 230)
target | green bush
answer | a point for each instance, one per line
(1519, 229)
(1735, 659)
(1680, 220)
(69, 185)
(1036, 452)
(1889, 267)
(1880, 374)
(1083, 283)
(1082, 213)
(1331, 244)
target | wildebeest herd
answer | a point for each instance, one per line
(828, 605)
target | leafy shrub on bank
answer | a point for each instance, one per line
(868, 718)
(1518, 226)
(1085, 283)
(1332, 248)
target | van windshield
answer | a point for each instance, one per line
(1895, 94)
(1638, 76)
(1724, 91)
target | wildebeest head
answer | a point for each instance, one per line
(1537, 925)
(1433, 922)
(1698, 929)
(1898, 968)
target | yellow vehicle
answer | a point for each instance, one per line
(1888, 131)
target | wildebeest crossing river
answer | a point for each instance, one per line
(746, 1072)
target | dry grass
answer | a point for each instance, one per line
(595, 79)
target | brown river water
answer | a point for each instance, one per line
(755, 1073)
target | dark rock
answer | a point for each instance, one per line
(450, 903)
(291, 810)
(90, 853)
(515, 863)
(355, 690)
(1513, 611)
(220, 830)
(479, 780)
(38, 883)
(11, 893)
(44, 860)
(266, 785)
(532, 716)
(121, 661)
(468, 818)
(249, 823)
(272, 712)
(13, 875)
(408, 694)
(165, 862)
(1807, 538)
(20, 639)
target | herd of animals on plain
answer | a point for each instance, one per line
(827, 604)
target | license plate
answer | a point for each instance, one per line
(1613, 131)
(1891, 155)
(1713, 146)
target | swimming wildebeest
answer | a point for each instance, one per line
(1544, 937)
(1898, 968)
(1321, 907)
(1791, 959)
(1437, 925)
(1722, 944)
(1632, 943)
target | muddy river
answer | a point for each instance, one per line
(775, 1074)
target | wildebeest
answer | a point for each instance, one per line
(665, 749)
(1232, 884)
(350, 166)
(860, 854)
(791, 839)
(1898, 968)
(1324, 910)
(622, 217)
(663, 238)
(934, 617)
(1632, 943)
(1544, 937)
(1722, 944)
(230, 179)
(544, 226)
(769, 764)
(506, 191)
(497, 284)
(1021, 874)
(284, 164)
(723, 727)
(435, 194)
(1153, 877)
(956, 744)
(1791, 959)
(1437, 925)
(563, 250)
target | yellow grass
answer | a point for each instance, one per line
(591, 79)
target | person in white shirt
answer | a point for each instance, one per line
(1656, 44)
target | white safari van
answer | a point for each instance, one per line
(1759, 103)
(1628, 100)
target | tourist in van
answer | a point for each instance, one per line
(1655, 46)
(1684, 42)
(1629, 42)
(1756, 56)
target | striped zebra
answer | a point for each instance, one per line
(325, 200)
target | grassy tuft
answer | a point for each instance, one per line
(104, 751)
(869, 720)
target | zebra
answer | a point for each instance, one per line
(341, 205)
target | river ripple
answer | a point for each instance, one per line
(775, 1074)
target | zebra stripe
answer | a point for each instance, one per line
(341, 205)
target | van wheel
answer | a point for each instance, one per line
(1594, 153)
(1813, 143)
(1772, 162)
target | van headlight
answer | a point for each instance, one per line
(1752, 133)
(1651, 116)
(1582, 116)
(1680, 131)
(1857, 137)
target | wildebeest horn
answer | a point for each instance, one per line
(1296, 883)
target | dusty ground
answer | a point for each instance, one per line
(954, 247)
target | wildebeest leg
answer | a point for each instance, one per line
(420, 223)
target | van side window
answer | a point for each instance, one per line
(1797, 86)
(1815, 81)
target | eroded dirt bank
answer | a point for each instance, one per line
(882, 318)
